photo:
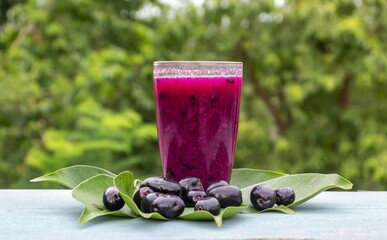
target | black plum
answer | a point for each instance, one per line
(147, 201)
(189, 183)
(145, 191)
(169, 206)
(193, 196)
(112, 199)
(162, 185)
(145, 182)
(137, 199)
(216, 184)
(227, 195)
(262, 197)
(140, 194)
(284, 196)
(209, 204)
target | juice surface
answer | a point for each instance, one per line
(197, 120)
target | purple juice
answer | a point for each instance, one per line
(197, 122)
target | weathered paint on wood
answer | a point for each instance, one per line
(53, 214)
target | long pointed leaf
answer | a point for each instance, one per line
(305, 186)
(244, 177)
(282, 208)
(72, 176)
(190, 214)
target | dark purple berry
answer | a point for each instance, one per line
(193, 196)
(140, 194)
(162, 185)
(262, 197)
(284, 196)
(112, 199)
(147, 201)
(216, 184)
(145, 191)
(137, 199)
(188, 184)
(227, 195)
(145, 182)
(210, 204)
(169, 206)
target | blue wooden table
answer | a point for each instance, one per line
(53, 214)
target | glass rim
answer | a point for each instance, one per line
(182, 69)
(158, 63)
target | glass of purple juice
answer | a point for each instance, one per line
(197, 111)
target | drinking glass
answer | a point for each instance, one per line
(197, 111)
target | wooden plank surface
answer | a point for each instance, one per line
(53, 214)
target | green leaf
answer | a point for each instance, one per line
(72, 176)
(305, 186)
(190, 214)
(90, 193)
(126, 182)
(125, 185)
(244, 177)
(282, 208)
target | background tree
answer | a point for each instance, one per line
(73, 88)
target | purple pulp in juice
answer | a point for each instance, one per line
(197, 122)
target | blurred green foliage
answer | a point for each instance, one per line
(76, 83)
